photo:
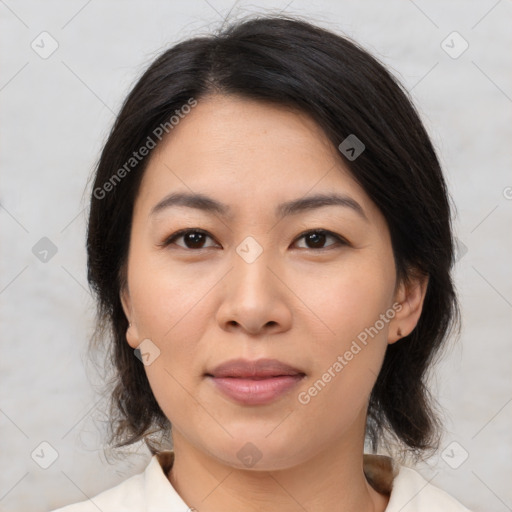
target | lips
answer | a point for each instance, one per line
(254, 382)
(259, 369)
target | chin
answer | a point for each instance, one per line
(260, 453)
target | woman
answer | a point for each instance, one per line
(270, 244)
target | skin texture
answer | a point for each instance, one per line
(298, 302)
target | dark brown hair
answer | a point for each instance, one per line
(287, 61)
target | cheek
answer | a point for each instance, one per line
(165, 295)
(350, 342)
(169, 311)
(348, 298)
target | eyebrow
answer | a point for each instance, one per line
(293, 207)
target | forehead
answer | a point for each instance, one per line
(249, 153)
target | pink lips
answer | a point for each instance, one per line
(255, 382)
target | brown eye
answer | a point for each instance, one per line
(316, 239)
(192, 239)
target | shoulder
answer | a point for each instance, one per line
(408, 491)
(146, 491)
(126, 496)
(411, 492)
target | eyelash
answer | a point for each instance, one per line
(178, 234)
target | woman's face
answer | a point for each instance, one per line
(260, 281)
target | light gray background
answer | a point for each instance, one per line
(55, 115)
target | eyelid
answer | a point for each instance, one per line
(177, 234)
(340, 239)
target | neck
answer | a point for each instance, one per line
(331, 480)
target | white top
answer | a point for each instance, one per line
(151, 491)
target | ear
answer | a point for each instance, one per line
(132, 335)
(409, 298)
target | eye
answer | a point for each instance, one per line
(196, 238)
(192, 238)
(316, 239)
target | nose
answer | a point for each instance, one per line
(255, 298)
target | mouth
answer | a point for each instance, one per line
(256, 382)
